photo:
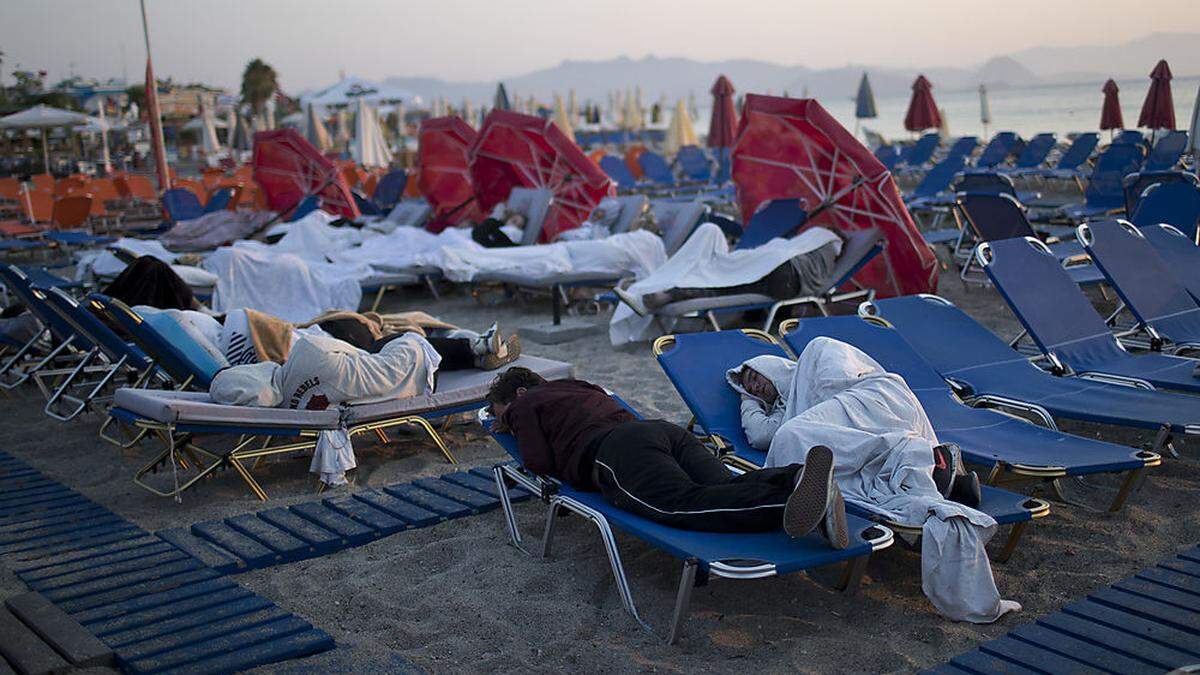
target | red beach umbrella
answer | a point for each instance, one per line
(1158, 110)
(792, 148)
(722, 128)
(1110, 115)
(288, 168)
(922, 109)
(515, 150)
(443, 155)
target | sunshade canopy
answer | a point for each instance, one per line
(722, 127)
(792, 148)
(864, 103)
(1110, 114)
(922, 109)
(443, 156)
(1158, 110)
(516, 150)
(351, 89)
(288, 168)
(42, 117)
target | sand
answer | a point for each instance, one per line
(456, 597)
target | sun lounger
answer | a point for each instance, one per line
(1129, 137)
(409, 213)
(696, 364)
(860, 248)
(1136, 184)
(986, 371)
(1180, 253)
(53, 350)
(962, 148)
(694, 163)
(176, 417)
(1064, 325)
(888, 155)
(917, 155)
(677, 220)
(1033, 155)
(1010, 448)
(704, 554)
(389, 190)
(1072, 164)
(181, 204)
(1105, 193)
(1167, 151)
(932, 190)
(1161, 306)
(617, 170)
(998, 149)
(656, 169)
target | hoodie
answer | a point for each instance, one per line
(761, 420)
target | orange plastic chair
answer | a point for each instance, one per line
(43, 181)
(139, 188)
(369, 185)
(631, 159)
(244, 173)
(211, 177)
(104, 190)
(36, 208)
(596, 156)
(10, 189)
(71, 213)
(413, 187)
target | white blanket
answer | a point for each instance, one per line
(404, 248)
(282, 284)
(882, 442)
(705, 261)
(631, 253)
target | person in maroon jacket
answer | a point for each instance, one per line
(574, 431)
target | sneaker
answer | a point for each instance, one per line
(943, 469)
(504, 353)
(634, 302)
(966, 490)
(809, 500)
(833, 525)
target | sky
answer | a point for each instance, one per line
(310, 42)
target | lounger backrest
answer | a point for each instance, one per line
(696, 366)
(86, 324)
(535, 204)
(18, 283)
(1136, 184)
(1180, 253)
(974, 180)
(1129, 137)
(963, 147)
(165, 341)
(304, 207)
(676, 221)
(1140, 276)
(219, 201)
(694, 163)
(884, 345)
(1036, 151)
(411, 213)
(617, 170)
(922, 151)
(997, 150)
(944, 335)
(1176, 204)
(1058, 316)
(656, 168)
(1080, 151)
(938, 178)
(390, 189)
(632, 206)
(1105, 189)
(888, 155)
(1167, 151)
(993, 217)
(777, 218)
(181, 204)
(858, 249)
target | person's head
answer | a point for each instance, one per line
(509, 386)
(515, 219)
(759, 385)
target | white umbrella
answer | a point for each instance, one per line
(350, 89)
(561, 119)
(681, 132)
(270, 112)
(43, 117)
(1193, 143)
(315, 131)
(369, 149)
(985, 111)
(208, 133)
(197, 123)
(342, 127)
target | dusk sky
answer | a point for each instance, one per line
(309, 42)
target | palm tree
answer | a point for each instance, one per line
(258, 84)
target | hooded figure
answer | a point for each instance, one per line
(835, 395)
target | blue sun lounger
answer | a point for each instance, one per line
(1161, 306)
(1033, 155)
(962, 148)
(1167, 151)
(1180, 253)
(704, 554)
(1064, 325)
(932, 190)
(390, 190)
(696, 364)
(985, 371)
(51, 351)
(1136, 184)
(617, 170)
(1177, 194)
(917, 155)
(656, 169)
(1072, 163)
(1105, 193)
(694, 163)
(998, 149)
(181, 204)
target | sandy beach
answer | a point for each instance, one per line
(456, 597)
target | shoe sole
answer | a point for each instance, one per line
(808, 502)
(512, 352)
(837, 531)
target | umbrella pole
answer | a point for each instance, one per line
(45, 153)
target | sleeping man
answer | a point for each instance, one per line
(885, 452)
(574, 431)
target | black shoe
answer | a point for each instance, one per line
(809, 500)
(965, 490)
(943, 469)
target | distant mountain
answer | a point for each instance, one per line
(679, 77)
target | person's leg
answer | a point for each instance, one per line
(705, 468)
(638, 472)
(764, 286)
(489, 235)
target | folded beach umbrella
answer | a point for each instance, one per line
(1110, 114)
(208, 133)
(443, 158)
(864, 102)
(315, 131)
(985, 110)
(922, 110)
(288, 168)
(722, 127)
(241, 137)
(681, 131)
(515, 150)
(1158, 110)
(794, 149)
(562, 119)
(1193, 143)
(501, 102)
(369, 149)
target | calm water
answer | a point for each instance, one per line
(1027, 111)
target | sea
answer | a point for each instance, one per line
(1061, 109)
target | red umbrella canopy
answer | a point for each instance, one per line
(515, 150)
(722, 128)
(1158, 110)
(288, 168)
(1110, 115)
(445, 174)
(922, 109)
(792, 148)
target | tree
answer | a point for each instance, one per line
(258, 84)
(137, 94)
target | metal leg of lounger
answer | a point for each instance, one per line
(548, 532)
(852, 576)
(683, 598)
(556, 303)
(1132, 480)
(510, 518)
(431, 286)
(1162, 441)
(81, 403)
(1010, 545)
(383, 288)
(712, 320)
(14, 361)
